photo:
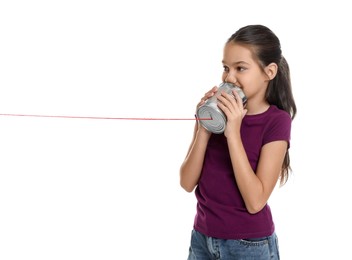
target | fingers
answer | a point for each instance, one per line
(230, 103)
(234, 100)
(238, 99)
(210, 93)
(207, 95)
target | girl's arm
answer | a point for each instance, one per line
(255, 187)
(192, 166)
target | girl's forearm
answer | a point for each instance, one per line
(192, 166)
(248, 183)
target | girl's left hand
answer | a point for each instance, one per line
(234, 110)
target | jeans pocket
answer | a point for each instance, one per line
(254, 241)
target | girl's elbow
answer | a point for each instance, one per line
(254, 208)
(187, 187)
(252, 211)
(186, 182)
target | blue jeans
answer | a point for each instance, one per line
(208, 248)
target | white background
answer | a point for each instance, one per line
(109, 189)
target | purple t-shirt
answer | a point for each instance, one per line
(221, 211)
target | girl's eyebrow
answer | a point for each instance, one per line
(237, 63)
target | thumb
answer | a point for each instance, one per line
(244, 112)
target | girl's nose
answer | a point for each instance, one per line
(230, 78)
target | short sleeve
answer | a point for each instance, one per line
(279, 128)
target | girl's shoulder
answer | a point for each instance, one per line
(273, 113)
(278, 114)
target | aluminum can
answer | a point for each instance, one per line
(210, 109)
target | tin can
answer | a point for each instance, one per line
(211, 110)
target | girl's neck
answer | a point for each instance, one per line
(257, 108)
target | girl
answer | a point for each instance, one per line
(234, 173)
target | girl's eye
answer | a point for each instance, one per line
(241, 68)
(226, 69)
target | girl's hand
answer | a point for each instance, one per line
(207, 95)
(234, 110)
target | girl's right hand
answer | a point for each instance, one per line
(207, 95)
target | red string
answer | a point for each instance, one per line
(108, 118)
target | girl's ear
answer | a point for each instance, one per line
(271, 70)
